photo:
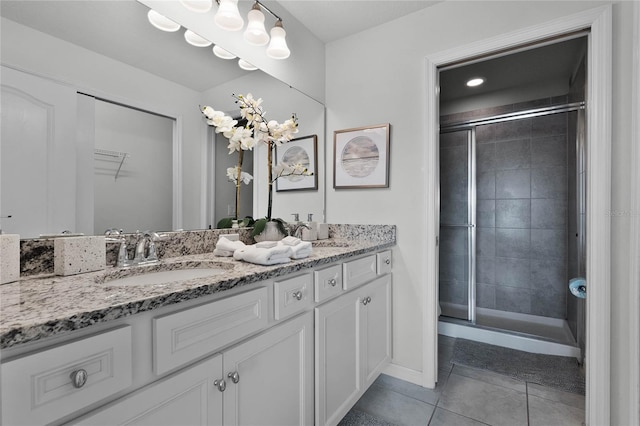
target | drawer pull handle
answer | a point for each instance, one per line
(297, 295)
(387, 261)
(79, 378)
(235, 377)
(220, 384)
(333, 282)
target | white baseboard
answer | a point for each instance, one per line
(404, 373)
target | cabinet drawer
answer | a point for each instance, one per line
(383, 260)
(39, 389)
(359, 271)
(327, 282)
(292, 296)
(184, 336)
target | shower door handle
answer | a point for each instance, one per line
(466, 225)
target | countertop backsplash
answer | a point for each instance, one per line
(36, 255)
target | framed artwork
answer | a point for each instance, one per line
(303, 151)
(361, 157)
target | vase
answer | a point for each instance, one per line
(270, 233)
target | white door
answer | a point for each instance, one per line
(338, 368)
(37, 155)
(376, 328)
(270, 377)
(186, 398)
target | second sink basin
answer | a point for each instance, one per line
(163, 273)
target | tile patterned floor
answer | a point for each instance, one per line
(467, 396)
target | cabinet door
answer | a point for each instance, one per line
(187, 397)
(375, 300)
(274, 375)
(338, 380)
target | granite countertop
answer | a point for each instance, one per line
(46, 305)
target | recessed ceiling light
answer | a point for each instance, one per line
(474, 82)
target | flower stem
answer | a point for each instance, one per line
(269, 179)
(238, 183)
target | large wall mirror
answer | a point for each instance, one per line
(108, 68)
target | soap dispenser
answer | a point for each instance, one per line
(310, 231)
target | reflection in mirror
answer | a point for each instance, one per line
(76, 46)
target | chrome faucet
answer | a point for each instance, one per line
(117, 235)
(146, 247)
(297, 229)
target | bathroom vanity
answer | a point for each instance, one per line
(294, 344)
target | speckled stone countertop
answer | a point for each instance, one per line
(46, 305)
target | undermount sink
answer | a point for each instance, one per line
(163, 273)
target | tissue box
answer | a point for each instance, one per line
(9, 258)
(76, 255)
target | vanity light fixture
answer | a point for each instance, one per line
(196, 40)
(228, 17)
(198, 6)
(255, 33)
(278, 48)
(223, 54)
(246, 65)
(161, 22)
(475, 82)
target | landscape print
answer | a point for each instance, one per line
(360, 157)
(296, 155)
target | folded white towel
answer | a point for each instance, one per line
(225, 245)
(291, 240)
(264, 256)
(301, 250)
(266, 244)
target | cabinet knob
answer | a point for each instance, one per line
(333, 282)
(235, 377)
(364, 301)
(297, 295)
(220, 384)
(79, 378)
(387, 261)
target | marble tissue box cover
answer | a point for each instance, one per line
(9, 258)
(77, 255)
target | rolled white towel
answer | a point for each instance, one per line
(228, 245)
(291, 240)
(301, 250)
(264, 256)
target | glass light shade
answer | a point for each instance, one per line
(246, 65)
(198, 6)
(195, 40)
(278, 47)
(228, 17)
(161, 22)
(255, 33)
(223, 54)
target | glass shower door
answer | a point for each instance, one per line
(457, 225)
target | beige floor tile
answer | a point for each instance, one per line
(544, 412)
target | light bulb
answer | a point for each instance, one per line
(255, 33)
(161, 22)
(196, 40)
(227, 17)
(278, 47)
(474, 82)
(246, 65)
(223, 54)
(198, 6)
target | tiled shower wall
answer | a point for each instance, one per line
(522, 211)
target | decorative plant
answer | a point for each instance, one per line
(258, 130)
(226, 125)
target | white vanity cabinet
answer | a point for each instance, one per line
(266, 380)
(353, 346)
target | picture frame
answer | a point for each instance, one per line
(361, 157)
(302, 150)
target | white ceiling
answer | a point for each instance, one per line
(119, 29)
